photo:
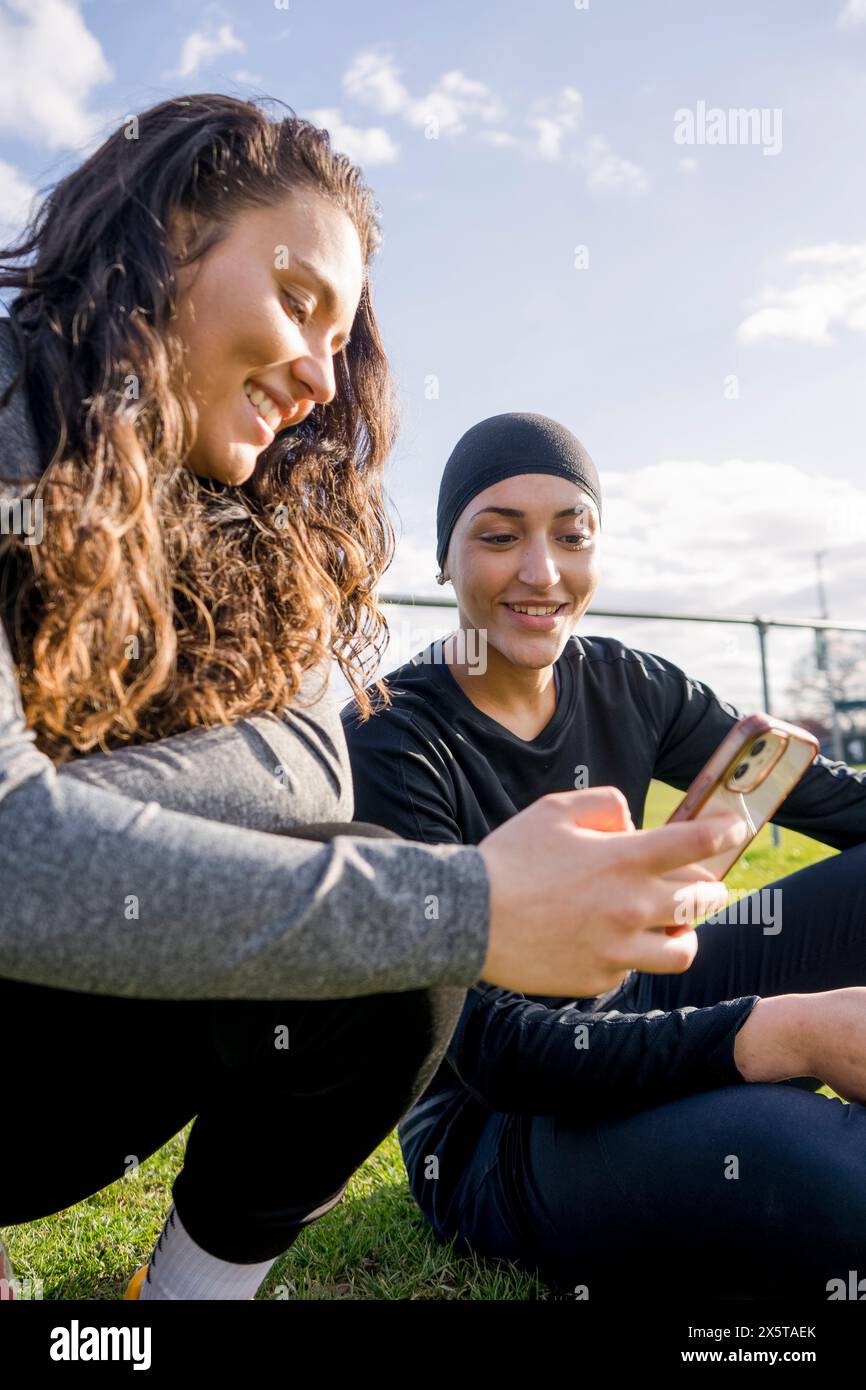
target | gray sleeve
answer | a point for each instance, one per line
(110, 894)
(263, 772)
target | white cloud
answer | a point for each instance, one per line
(249, 79)
(659, 520)
(16, 198)
(456, 102)
(49, 65)
(202, 46)
(853, 14)
(414, 568)
(367, 146)
(733, 537)
(454, 98)
(688, 164)
(373, 80)
(829, 291)
(557, 121)
(607, 172)
(501, 138)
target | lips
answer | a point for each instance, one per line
(552, 603)
(544, 620)
(287, 405)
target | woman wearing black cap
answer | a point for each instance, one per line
(571, 1134)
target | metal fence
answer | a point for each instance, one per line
(762, 626)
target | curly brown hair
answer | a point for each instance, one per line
(157, 601)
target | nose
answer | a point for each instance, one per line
(538, 568)
(314, 374)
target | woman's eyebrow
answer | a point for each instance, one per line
(512, 511)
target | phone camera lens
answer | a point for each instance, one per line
(759, 746)
(741, 770)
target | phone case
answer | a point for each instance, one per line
(752, 771)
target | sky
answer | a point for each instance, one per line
(580, 219)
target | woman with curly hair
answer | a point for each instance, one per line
(195, 412)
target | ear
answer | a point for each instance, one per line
(181, 233)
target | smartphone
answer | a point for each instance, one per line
(751, 772)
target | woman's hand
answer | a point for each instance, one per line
(579, 897)
(821, 1035)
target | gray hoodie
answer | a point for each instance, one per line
(161, 872)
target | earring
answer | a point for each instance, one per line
(440, 578)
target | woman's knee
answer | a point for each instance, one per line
(398, 1038)
(740, 1167)
(409, 1030)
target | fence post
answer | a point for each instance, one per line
(763, 628)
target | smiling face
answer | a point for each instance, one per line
(531, 541)
(261, 317)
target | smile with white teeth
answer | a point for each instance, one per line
(267, 408)
(535, 610)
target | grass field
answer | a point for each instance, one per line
(375, 1245)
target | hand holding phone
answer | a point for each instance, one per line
(753, 770)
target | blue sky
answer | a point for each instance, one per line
(706, 344)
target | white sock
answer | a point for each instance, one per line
(180, 1269)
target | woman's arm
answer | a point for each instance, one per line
(112, 895)
(518, 1055)
(829, 801)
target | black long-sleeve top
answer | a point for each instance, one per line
(433, 767)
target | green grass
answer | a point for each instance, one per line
(374, 1245)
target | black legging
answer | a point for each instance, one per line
(92, 1083)
(747, 1191)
